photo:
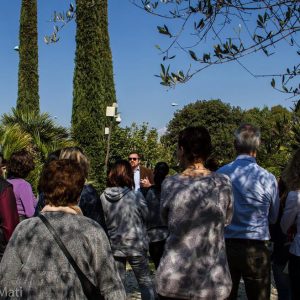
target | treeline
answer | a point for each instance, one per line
(280, 128)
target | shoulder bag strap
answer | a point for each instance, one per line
(88, 287)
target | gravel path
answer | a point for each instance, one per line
(133, 290)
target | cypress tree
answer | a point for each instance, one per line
(106, 56)
(28, 78)
(93, 83)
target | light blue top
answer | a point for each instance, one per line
(291, 216)
(137, 178)
(256, 199)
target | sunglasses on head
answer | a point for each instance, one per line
(132, 158)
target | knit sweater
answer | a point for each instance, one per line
(34, 262)
(194, 264)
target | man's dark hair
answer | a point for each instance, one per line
(135, 152)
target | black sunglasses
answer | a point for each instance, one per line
(132, 158)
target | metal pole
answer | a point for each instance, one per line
(108, 146)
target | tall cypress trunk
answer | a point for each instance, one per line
(28, 77)
(93, 83)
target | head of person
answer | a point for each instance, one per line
(194, 145)
(62, 182)
(121, 175)
(76, 154)
(20, 164)
(53, 155)
(161, 170)
(247, 139)
(291, 174)
(134, 160)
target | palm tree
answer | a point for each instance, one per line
(35, 132)
(13, 139)
(45, 135)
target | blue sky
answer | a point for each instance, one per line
(133, 38)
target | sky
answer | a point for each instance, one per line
(141, 98)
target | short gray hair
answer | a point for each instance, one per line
(247, 138)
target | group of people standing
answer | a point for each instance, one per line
(204, 229)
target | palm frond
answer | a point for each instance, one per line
(13, 139)
(34, 123)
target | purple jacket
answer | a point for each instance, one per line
(26, 201)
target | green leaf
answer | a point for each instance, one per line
(193, 55)
(163, 69)
(273, 83)
(164, 30)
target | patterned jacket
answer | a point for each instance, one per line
(34, 263)
(194, 263)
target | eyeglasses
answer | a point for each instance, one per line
(132, 158)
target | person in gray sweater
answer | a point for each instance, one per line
(197, 205)
(34, 266)
(125, 213)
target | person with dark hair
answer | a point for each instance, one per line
(157, 230)
(36, 263)
(9, 217)
(89, 202)
(19, 166)
(197, 205)
(143, 177)
(256, 205)
(290, 218)
(41, 200)
(125, 214)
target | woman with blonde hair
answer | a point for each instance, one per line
(291, 217)
(76, 153)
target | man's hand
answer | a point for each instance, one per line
(145, 183)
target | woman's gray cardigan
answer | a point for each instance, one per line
(194, 263)
(34, 262)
